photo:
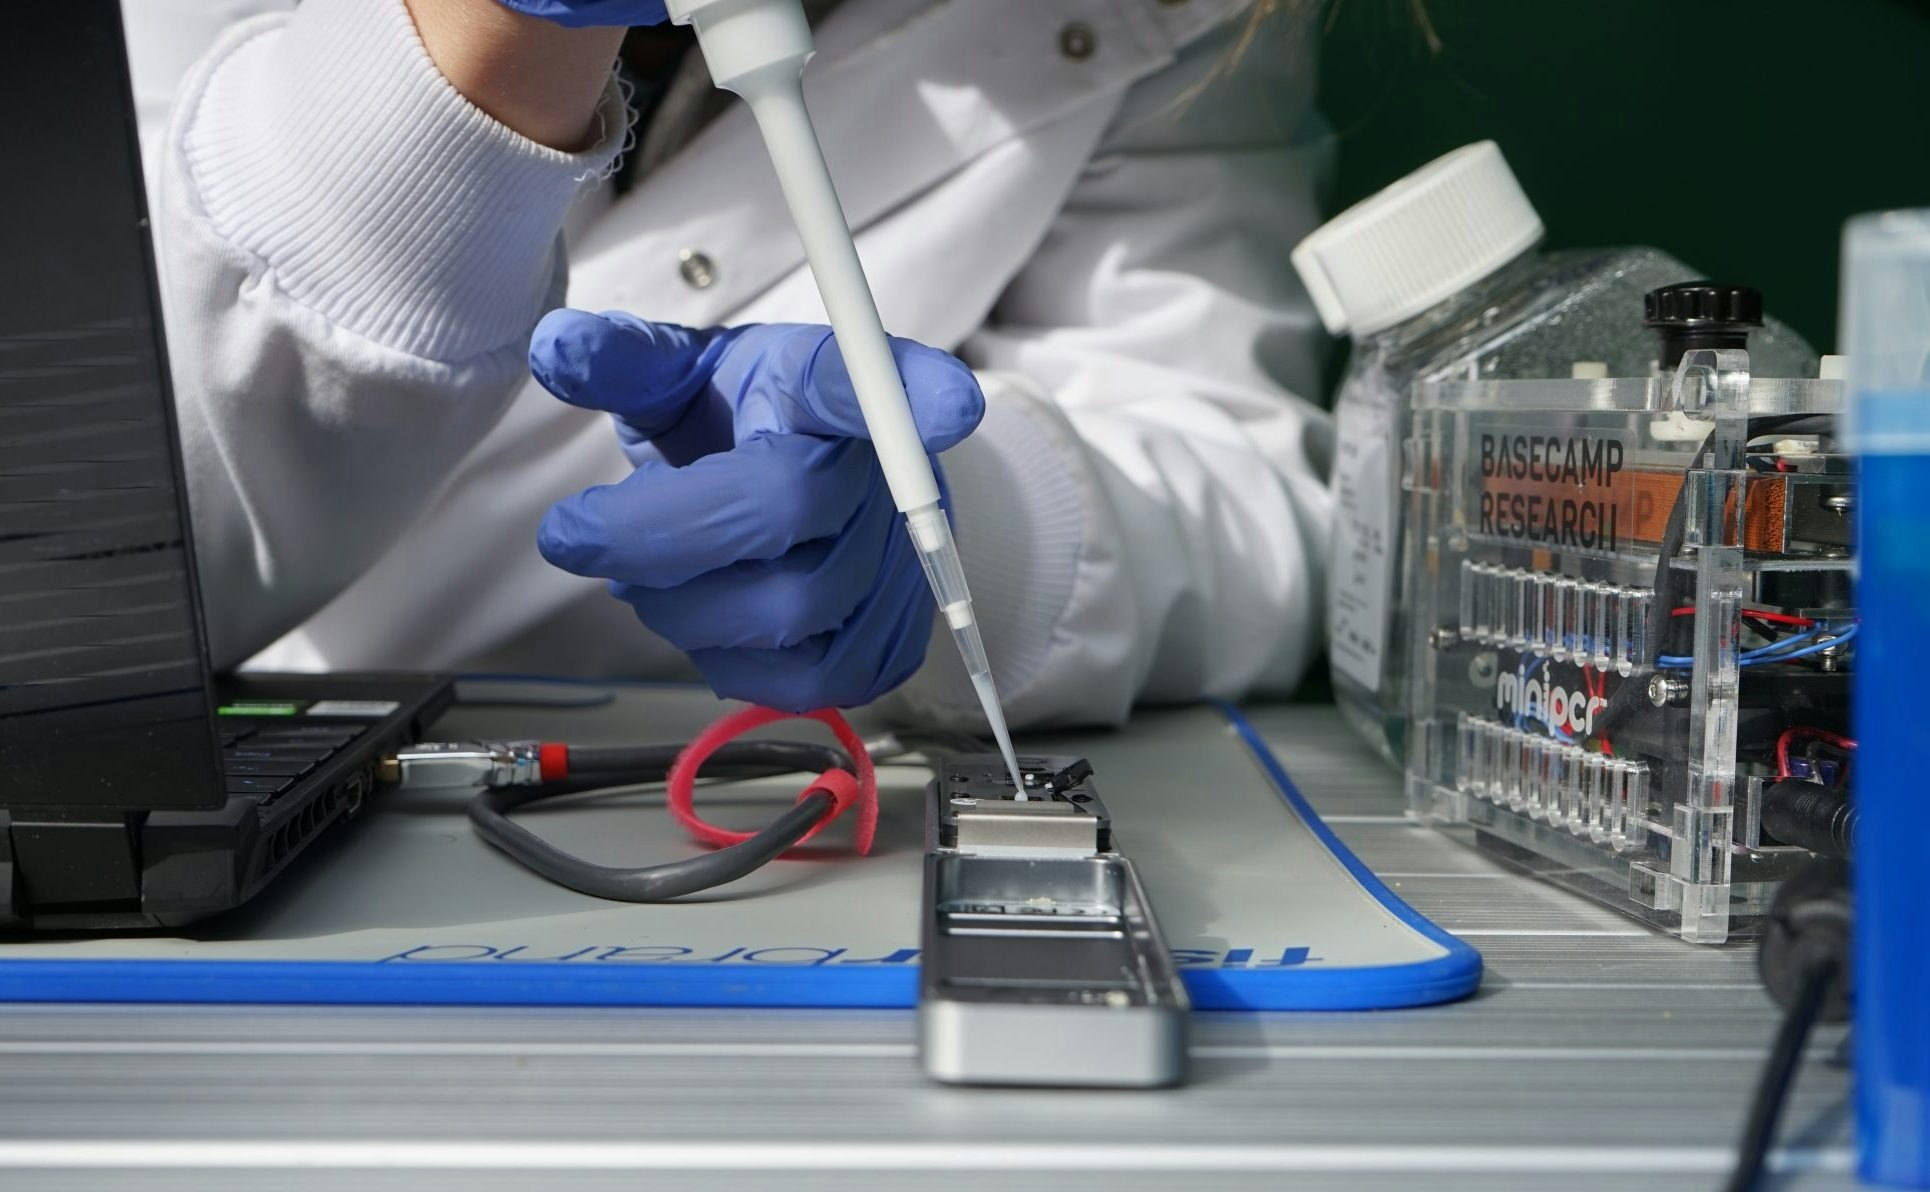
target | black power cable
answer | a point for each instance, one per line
(1805, 953)
(1809, 815)
(602, 768)
(1804, 959)
(1772, 1089)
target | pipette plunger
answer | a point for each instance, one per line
(758, 49)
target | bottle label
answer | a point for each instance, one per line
(1363, 533)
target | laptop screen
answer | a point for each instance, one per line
(103, 684)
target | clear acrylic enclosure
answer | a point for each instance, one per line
(1630, 613)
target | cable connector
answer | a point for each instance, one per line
(447, 765)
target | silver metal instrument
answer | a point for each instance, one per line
(1042, 963)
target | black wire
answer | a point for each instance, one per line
(651, 883)
(603, 767)
(1778, 1074)
(1810, 815)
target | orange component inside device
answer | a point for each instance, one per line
(1641, 501)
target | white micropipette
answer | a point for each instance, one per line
(758, 49)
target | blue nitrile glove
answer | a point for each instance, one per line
(756, 533)
(578, 14)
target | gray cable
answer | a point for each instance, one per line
(489, 813)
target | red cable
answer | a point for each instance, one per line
(1756, 614)
(846, 791)
(1597, 685)
(1790, 734)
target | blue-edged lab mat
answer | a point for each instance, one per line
(1265, 909)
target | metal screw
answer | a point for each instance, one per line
(963, 801)
(1664, 690)
(1484, 669)
(1840, 503)
(1077, 41)
(1830, 661)
(699, 271)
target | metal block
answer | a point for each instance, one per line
(1042, 963)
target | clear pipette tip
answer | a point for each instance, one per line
(988, 699)
(931, 534)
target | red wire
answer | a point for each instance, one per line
(847, 791)
(1801, 730)
(1756, 614)
(1597, 685)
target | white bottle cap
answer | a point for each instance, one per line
(1395, 253)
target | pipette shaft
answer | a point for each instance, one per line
(758, 48)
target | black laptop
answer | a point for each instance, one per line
(136, 789)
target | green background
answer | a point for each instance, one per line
(1736, 136)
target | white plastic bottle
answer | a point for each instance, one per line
(1439, 277)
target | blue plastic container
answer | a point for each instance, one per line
(1892, 975)
(1886, 335)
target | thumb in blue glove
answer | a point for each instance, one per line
(578, 14)
(756, 533)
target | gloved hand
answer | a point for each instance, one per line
(578, 14)
(756, 533)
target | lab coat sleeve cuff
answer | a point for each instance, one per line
(328, 147)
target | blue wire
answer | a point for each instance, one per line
(1751, 656)
(1774, 651)
(1783, 643)
(1818, 648)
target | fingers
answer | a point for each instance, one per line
(620, 364)
(946, 402)
(652, 375)
(663, 526)
(881, 646)
(657, 378)
(772, 604)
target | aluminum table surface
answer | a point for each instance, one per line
(1597, 1055)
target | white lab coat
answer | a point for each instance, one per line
(1089, 200)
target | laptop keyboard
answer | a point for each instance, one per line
(263, 758)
